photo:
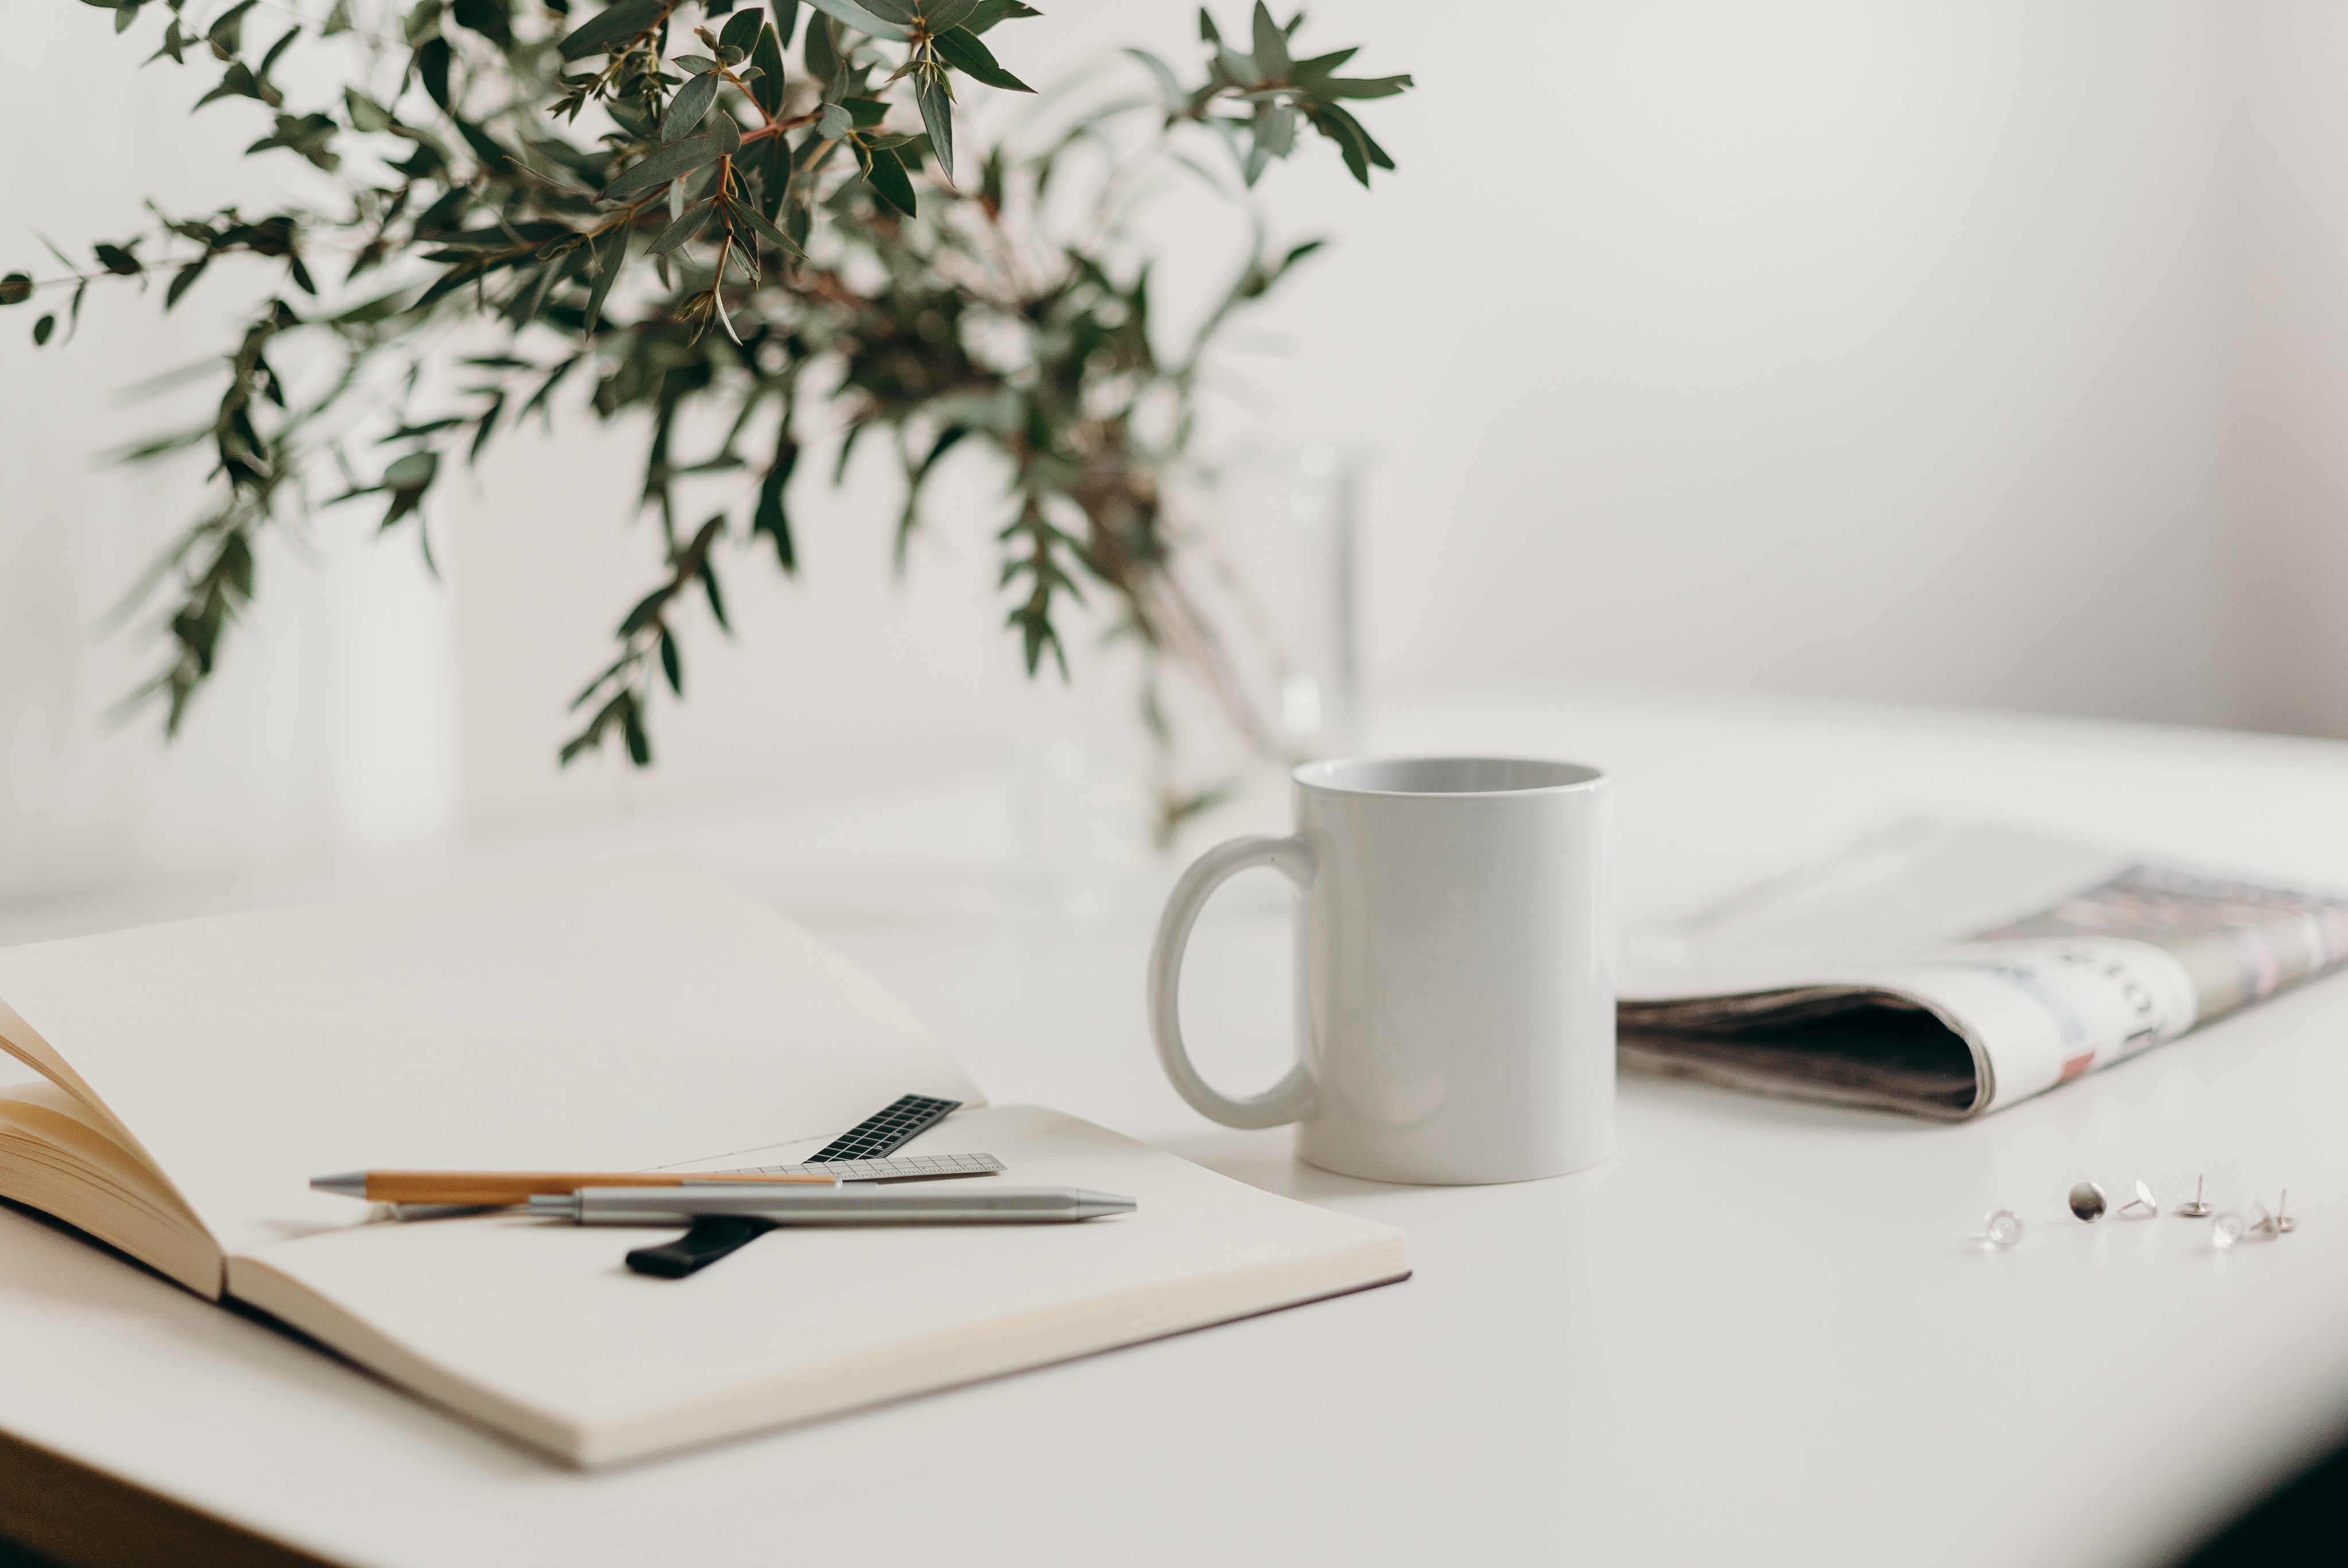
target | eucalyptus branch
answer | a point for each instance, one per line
(687, 220)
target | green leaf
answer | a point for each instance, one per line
(487, 17)
(423, 21)
(742, 30)
(1321, 65)
(769, 58)
(786, 16)
(671, 665)
(42, 329)
(770, 518)
(887, 176)
(236, 82)
(631, 725)
(822, 57)
(987, 12)
(858, 17)
(1361, 153)
(937, 118)
(1208, 32)
(755, 221)
(682, 230)
(834, 122)
(938, 16)
(16, 287)
(678, 157)
(960, 49)
(774, 169)
(412, 472)
(227, 35)
(709, 586)
(365, 114)
(726, 134)
(1271, 44)
(615, 25)
(1362, 87)
(610, 253)
(184, 280)
(432, 59)
(690, 106)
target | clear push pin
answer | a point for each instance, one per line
(2087, 1202)
(2143, 1199)
(2265, 1221)
(2283, 1224)
(2227, 1229)
(2197, 1209)
(2003, 1229)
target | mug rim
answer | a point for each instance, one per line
(1321, 775)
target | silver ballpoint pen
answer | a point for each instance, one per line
(801, 1206)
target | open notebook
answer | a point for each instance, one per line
(193, 1076)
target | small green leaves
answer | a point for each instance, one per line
(691, 103)
(613, 27)
(742, 30)
(960, 48)
(678, 157)
(936, 101)
(856, 17)
(770, 518)
(671, 664)
(610, 254)
(15, 289)
(696, 219)
(1270, 46)
(226, 36)
(42, 329)
(987, 12)
(407, 478)
(487, 223)
(886, 174)
(822, 58)
(310, 135)
(185, 279)
(365, 114)
(487, 17)
(433, 58)
(1360, 86)
(768, 56)
(753, 220)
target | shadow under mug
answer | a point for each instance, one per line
(1454, 966)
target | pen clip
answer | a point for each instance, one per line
(712, 1237)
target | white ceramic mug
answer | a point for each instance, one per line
(1453, 969)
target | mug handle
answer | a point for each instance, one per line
(1291, 1099)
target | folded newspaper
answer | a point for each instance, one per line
(1949, 968)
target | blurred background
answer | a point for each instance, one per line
(1988, 353)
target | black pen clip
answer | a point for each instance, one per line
(712, 1237)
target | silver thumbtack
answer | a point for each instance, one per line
(2197, 1209)
(2087, 1202)
(2003, 1229)
(2283, 1224)
(2143, 1199)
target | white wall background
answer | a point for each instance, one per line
(1976, 351)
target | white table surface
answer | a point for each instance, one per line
(1760, 1334)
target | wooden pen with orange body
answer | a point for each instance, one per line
(519, 1186)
